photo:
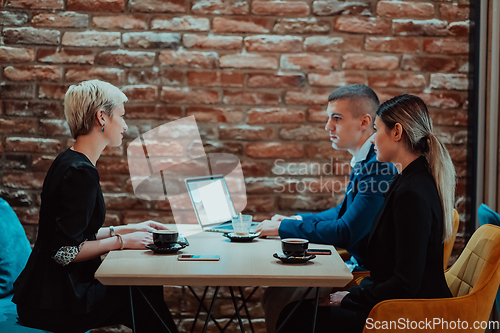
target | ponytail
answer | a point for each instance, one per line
(443, 171)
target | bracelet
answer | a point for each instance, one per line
(112, 231)
(121, 241)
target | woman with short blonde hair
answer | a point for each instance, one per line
(56, 290)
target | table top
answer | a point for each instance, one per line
(241, 264)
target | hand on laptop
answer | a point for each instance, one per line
(268, 228)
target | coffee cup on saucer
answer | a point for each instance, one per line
(165, 238)
(296, 247)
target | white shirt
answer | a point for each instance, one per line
(363, 152)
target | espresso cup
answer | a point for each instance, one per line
(164, 238)
(296, 247)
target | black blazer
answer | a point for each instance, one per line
(405, 246)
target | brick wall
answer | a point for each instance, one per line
(255, 74)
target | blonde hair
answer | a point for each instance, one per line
(411, 112)
(84, 100)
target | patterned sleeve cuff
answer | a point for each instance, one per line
(66, 254)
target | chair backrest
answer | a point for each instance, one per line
(478, 262)
(448, 245)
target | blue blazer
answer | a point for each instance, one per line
(348, 224)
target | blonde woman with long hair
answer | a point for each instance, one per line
(405, 245)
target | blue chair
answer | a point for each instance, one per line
(488, 216)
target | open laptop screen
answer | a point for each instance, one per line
(211, 200)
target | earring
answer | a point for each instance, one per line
(103, 127)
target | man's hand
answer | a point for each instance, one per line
(268, 228)
(279, 218)
(333, 299)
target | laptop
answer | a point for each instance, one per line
(212, 203)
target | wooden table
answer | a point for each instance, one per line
(241, 264)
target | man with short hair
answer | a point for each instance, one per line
(351, 113)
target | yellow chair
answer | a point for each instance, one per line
(473, 281)
(448, 245)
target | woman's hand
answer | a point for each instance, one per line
(333, 299)
(147, 226)
(137, 240)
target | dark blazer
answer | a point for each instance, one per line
(348, 224)
(405, 246)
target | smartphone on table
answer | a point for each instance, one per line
(198, 257)
(319, 251)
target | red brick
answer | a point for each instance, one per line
(281, 80)
(253, 169)
(253, 61)
(363, 25)
(34, 4)
(33, 73)
(280, 8)
(368, 62)
(34, 109)
(189, 96)
(226, 43)
(53, 127)
(167, 76)
(126, 58)
(304, 133)
(112, 165)
(65, 56)
(324, 150)
(446, 46)
(250, 98)
(244, 25)
(308, 25)
(171, 76)
(267, 185)
(259, 204)
(189, 58)
(459, 29)
(219, 7)
(307, 97)
(216, 79)
(151, 40)
(91, 39)
(163, 6)
(405, 9)
(449, 117)
(160, 112)
(218, 115)
(309, 61)
(269, 43)
(412, 27)
(329, 8)
(275, 116)
(463, 65)
(402, 80)
(135, 22)
(454, 11)
(184, 23)
(317, 114)
(16, 91)
(142, 92)
(114, 6)
(392, 44)
(28, 35)
(307, 203)
(111, 183)
(42, 163)
(17, 126)
(26, 180)
(428, 64)
(336, 79)
(34, 145)
(333, 44)
(14, 54)
(443, 100)
(106, 74)
(60, 20)
(275, 150)
(245, 132)
(449, 81)
(12, 19)
(46, 91)
(17, 197)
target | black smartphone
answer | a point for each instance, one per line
(319, 251)
(186, 257)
